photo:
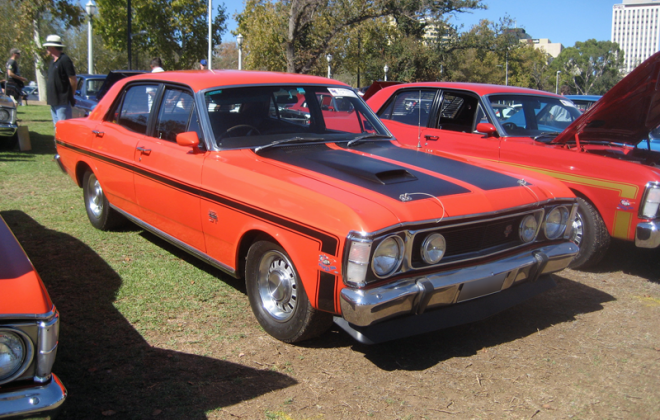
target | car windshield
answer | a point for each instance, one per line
(532, 116)
(264, 115)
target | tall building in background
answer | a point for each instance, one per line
(635, 28)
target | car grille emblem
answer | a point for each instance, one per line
(508, 231)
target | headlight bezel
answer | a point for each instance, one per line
(397, 261)
(562, 224)
(28, 353)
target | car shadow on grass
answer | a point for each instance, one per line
(626, 257)
(558, 305)
(106, 365)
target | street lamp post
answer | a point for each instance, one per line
(90, 7)
(386, 68)
(239, 42)
(210, 58)
(557, 83)
(329, 58)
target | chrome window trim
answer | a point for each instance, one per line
(29, 351)
(642, 203)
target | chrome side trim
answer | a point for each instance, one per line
(41, 401)
(414, 295)
(19, 317)
(179, 244)
(647, 234)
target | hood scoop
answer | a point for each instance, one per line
(371, 170)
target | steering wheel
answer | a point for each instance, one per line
(509, 126)
(250, 129)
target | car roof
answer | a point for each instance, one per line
(203, 79)
(584, 97)
(479, 88)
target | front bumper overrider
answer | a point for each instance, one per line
(42, 401)
(430, 302)
(647, 234)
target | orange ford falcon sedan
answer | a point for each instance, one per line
(319, 209)
(29, 331)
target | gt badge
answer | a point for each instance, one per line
(625, 205)
(328, 264)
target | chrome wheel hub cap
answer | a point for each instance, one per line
(277, 285)
(578, 229)
(94, 196)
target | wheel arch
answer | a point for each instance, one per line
(81, 168)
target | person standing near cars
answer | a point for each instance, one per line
(15, 81)
(61, 80)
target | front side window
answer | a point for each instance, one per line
(457, 112)
(173, 114)
(258, 116)
(531, 116)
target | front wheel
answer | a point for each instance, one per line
(590, 234)
(277, 296)
(99, 212)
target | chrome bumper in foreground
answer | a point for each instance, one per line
(34, 402)
(449, 298)
(647, 234)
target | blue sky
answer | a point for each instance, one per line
(564, 21)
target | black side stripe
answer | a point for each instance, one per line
(329, 243)
(326, 292)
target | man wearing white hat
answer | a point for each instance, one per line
(61, 80)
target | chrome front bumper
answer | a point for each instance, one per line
(34, 402)
(647, 234)
(414, 296)
(8, 130)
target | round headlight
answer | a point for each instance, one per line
(5, 116)
(528, 228)
(433, 248)
(555, 222)
(12, 354)
(388, 256)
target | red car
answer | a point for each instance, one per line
(323, 221)
(601, 155)
(29, 331)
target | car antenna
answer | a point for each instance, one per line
(419, 121)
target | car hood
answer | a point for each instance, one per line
(21, 289)
(625, 114)
(414, 185)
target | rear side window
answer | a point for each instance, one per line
(133, 113)
(410, 107)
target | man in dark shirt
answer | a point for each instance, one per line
(61, 80)
(15, 81)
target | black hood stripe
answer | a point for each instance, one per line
(329, 243)
(382, 177)
(482, 178)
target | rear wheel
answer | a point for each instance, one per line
(277, 296)
(590, 234)
(99, 212)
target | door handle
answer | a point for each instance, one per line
(98, 133)
(144, 151)
(431, 138)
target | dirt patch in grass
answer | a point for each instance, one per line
(150, 332)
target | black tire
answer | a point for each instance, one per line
(277, 295)
(99, 212)
(590, 234)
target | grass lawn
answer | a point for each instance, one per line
(145, 327)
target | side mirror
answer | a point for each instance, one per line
(78, 92)
(488, 129)
(188, 139)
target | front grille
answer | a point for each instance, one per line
(472, 240)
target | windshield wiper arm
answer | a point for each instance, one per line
(546, 134)
(367, 136)
(289, 140)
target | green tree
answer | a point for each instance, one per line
(591, 67)
(174, 30)
(304, 31)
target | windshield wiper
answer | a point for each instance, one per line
(550, 134)
(367, 136)
(289, 140)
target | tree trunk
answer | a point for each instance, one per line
(39, 65)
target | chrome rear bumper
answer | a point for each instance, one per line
(414, 296)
